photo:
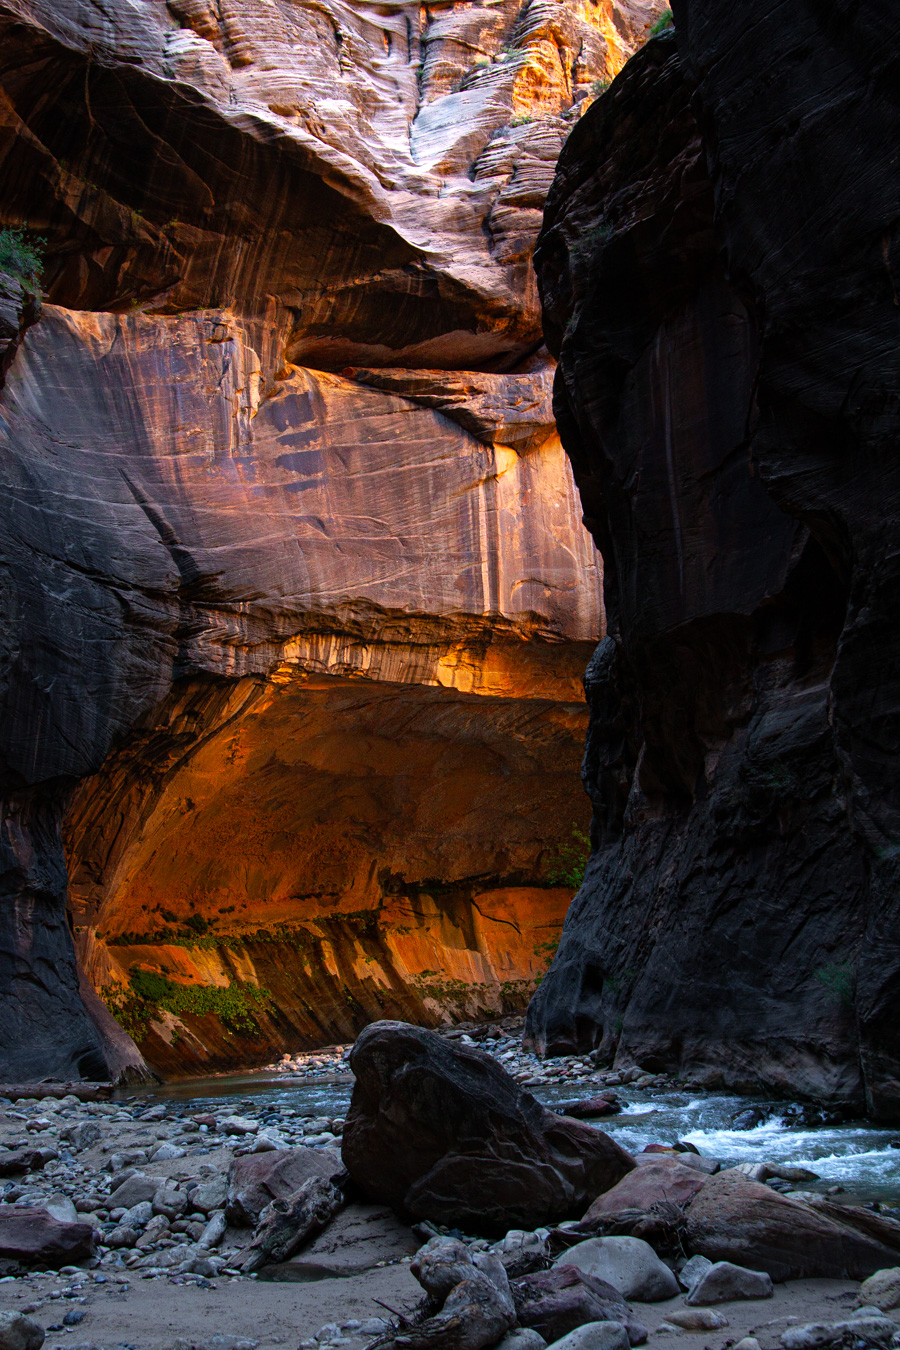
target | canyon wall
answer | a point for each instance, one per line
(720, 270)
(296, 596)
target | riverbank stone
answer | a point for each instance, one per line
(725, 1282)
(555, 1302)
(256, 1179)
(33, 1237)
(595, 1336)
(658, 1182)
(881, 1290)
(18, 1332)
(440, 1131)
(628, 1264)
(733, 1219)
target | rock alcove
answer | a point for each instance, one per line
(296, 594)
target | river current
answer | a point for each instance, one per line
(855, 1155)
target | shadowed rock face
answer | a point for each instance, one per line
(295, 593)
(718, 268)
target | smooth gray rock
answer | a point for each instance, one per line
(210, 1195)
(595, 1336)
(523, 1338)
(214, 1231)
(881, 1290)
(138, 1215)
(18, 1332)
(697, 1319)
(630, 1265)
(693, 1270)
(134, 1191)
(725, 1282)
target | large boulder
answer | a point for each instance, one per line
(32, 1237)
(734, 1219)
(649, 1186)
(256, 1179)
(442, 1132)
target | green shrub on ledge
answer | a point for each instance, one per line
(150, 993)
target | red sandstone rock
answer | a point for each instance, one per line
(256, 1179)
(34, 1238)
(655, 1184)
(734, 1219)
(555, 1302)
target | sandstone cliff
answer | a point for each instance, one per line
(295, 593)
(719, 269)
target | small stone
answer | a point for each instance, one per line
(697, 1319)
(881, 1290)
(747, 1343)
(134, 1191)
(693, 1270)
(726, 1283)
(595, 1336)
(19, 1333)
(167, 1152)
(214, 1231)
(73, 1318)
(524, 1338)
(87, 1134)
(138, 1215)
(238, 1125)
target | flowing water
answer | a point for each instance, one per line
(856, 1155)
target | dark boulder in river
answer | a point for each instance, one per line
(443, 1132)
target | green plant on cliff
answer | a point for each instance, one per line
(839, 979)
(150, 993)
(599, 87)
(664, 21)
(567, 868)
(21, 256)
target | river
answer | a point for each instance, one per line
(856, 1155)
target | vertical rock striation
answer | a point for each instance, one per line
(295, 593)
(719, 273)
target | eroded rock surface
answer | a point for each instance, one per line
(718, 270)
(283, 506)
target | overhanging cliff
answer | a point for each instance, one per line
(296, 595)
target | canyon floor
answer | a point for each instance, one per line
(156, 1314)
(170, 1280)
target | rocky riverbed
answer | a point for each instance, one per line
(161, 1198)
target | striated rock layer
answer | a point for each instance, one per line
(718, 267)
(295, 594)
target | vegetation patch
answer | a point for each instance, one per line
(567, 868)
(839, 979)
(21, 256)
(664, 22)
(150, 993)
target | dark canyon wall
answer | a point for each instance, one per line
(720, 270)
(295, 594)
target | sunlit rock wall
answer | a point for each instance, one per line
(296, 592)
